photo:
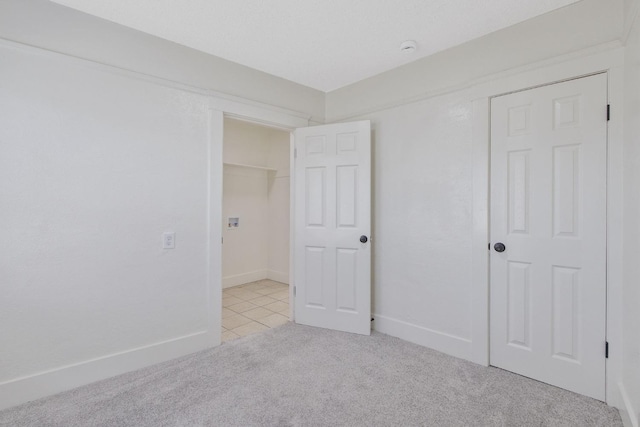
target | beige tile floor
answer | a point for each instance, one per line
(253, 307)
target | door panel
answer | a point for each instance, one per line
(333, 203)
(548, 207)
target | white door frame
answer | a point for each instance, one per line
(258, 114)
(609, 62)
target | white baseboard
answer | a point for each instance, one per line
(628, 413)
(241, 279)
(32, 387)
(278, 276)
(445, 343)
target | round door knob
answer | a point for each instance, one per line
(499, 247)
(363, 239)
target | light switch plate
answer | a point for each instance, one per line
(168, 240)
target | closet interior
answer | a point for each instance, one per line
(255, 229)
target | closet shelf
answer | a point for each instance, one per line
(251, 166)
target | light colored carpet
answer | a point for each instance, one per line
(301, 376)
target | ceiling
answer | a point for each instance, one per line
(324, 44)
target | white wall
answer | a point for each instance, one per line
(94, 168)
(423, 221)
(104, 146)
(60, 29)
(279, 203)
(245, 256)
(430, 165)
(431, 169)
(630, 378)
(246, 143)
(259, 247)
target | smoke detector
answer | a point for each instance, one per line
(408, 46)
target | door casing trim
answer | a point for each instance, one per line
(609, 62)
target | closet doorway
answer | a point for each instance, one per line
(255, 228)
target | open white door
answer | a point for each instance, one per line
(332, 251)
(548, 232)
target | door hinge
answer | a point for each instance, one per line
(222, 238)
(606, 349)
(294, 291)
(608, 112)
(295, 153)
